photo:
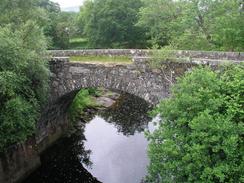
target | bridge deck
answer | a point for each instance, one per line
(129, 56)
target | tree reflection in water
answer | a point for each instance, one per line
(129, 114)
(63, 162)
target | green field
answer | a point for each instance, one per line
(78, 43)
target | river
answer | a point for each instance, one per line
(110, 148)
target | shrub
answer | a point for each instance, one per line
(200, 136)
(23, 82)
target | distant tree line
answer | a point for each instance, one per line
(184, 24)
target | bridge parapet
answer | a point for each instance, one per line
(99, 52)
(204, 55)
(187, 60)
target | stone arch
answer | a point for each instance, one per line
(68, 77)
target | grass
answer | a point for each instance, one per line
(81, 101)
(82, 43)
(78, 43)
(102, 59)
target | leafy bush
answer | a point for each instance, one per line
(23, 81)
(201, 134)
(18, 117)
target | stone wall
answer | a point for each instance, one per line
(18, 161)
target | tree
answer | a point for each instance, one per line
(19, 11)
(161, 19)
(200, 137)
(49, 6)
(60, 26)
(111, 23)
(213, 24)
(228, 32)
(194, 24)
(64, 29)
(23, 71)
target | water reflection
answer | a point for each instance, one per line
(117, 141)
(111, 148)
(62, 163)
(116, 158)
(129, 114)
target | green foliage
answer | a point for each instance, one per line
(161, 19)
(78, 43)
(194, 24)
(57, 26)
(17, 121)
(200, 137)
(60, 29)
(193, 41)
(187, 24)
(81, 101)
(162, 55)
(111, 23)
(19, 11)
(49, 6)
(23, 82)
(24, 73)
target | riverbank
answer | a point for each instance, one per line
(19, 160)
(105, 99)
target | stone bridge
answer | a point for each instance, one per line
(137, 78)
(67, 78)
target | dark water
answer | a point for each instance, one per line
(111, 148)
